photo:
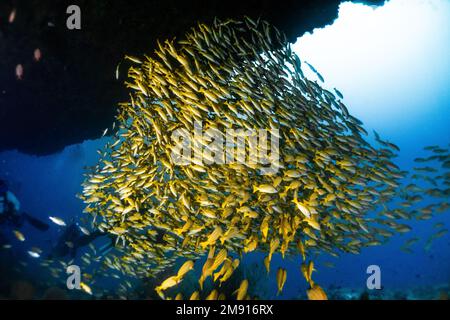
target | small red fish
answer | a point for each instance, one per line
(12, 16)
(37, 54)
(19, 72)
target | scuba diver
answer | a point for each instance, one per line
(10, 211)
(72, 239)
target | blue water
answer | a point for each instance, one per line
(394, 78)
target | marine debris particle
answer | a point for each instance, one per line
(239, 75)
(19, 71)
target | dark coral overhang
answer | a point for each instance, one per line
(71, 94)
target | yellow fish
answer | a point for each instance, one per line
(281, 279)
(316, 293)
(265, 188)
(241, 292)
(185, 268)
(85, 288)
(19, 235)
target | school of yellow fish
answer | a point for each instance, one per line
(238, 75)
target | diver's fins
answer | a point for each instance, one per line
(38, 224)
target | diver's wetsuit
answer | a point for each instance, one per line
(73, 239)
(73, 235)
(10, 214)
(8, 211)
